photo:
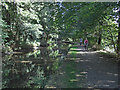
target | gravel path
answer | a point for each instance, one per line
(86, 69)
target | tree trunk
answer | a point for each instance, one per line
(100, 37)
(85, 33)
(118, 42)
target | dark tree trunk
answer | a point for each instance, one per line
(100, 34)
(118, 45)
(118, 42)
(100, 37)
(85, 33)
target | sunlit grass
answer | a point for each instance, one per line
(71, 74)
(73, 80)
(73, 48)
(73, 53)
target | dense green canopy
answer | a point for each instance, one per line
(38, 23)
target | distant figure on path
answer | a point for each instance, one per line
(81, 41)
(86, 44)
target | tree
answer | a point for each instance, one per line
(118, 42)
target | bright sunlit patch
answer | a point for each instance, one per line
(112, 74)
(78, 75)
(115, 74)
(73, 80)
(90, 87)
(76, 49)
(50, 87)
(83, 72)
(23, 61)
(35, 47)
(87, 52)
(83, 60)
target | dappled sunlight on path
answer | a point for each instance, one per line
(87, 69)
(101, 72)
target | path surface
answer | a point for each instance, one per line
(85, 69)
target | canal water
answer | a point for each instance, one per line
(32, 69)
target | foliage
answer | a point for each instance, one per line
(44, 24)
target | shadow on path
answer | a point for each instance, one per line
(86, 69)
